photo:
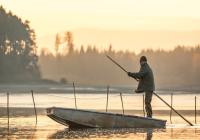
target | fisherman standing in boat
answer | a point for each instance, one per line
(146, 83)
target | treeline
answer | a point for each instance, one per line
(18, 59)
(89, 65)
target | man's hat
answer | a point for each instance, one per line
(143, 58)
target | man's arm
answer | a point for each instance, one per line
(138, 75)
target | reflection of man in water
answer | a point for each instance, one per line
(146, 83)
(149, 134)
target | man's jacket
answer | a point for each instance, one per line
(146, 78)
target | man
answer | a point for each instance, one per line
(146, 83)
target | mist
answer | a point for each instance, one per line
(179, 67)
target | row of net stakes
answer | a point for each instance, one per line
(195, 108)
(35, 110)
(8, 110)
(143, 108)
(75, 99)
(75, 102)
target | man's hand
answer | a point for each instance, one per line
(129, 74)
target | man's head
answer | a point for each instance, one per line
(143, 60)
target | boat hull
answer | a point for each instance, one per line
(75, 118)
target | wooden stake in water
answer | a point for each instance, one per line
(8, 112)
(107, 98)
(34, 107)
(171, 108)
(74, 95)
(122, 103)
(195, 109)
(143, 108)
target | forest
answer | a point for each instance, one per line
(89, 65)
(20, 61)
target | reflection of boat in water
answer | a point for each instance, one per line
(75, 118)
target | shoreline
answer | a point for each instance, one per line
(88, 89)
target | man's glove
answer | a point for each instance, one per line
(129, 74)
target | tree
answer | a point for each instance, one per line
(82, 51)
(18, 59)
(69, 39)
(57, 43)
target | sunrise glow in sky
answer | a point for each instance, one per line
(112, 17)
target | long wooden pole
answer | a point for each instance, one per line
(119, 65)
(116, 63)
(122, 102)
(34, 107)
(107, 98)
(74, 95)
(154, 93)
(173, 109)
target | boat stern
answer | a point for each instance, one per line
(50, 111)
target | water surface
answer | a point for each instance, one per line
(22, 119)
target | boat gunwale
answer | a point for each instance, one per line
(109, 113)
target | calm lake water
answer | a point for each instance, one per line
(22, 119)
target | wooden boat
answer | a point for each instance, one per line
(76, 118)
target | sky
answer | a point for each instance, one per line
(92, 20)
